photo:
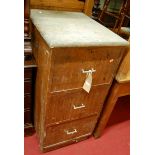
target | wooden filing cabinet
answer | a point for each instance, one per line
(64, 112)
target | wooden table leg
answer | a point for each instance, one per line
(109, 106)
(117, 90)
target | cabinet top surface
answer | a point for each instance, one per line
(73, 29)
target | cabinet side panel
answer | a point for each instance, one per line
(43, 59)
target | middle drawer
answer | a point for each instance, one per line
(75, 104)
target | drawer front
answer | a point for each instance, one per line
(27, 101)
(69, 131)
(75, 104)
(68, 66)
(27, 116)
(27, 86)
(27, 73)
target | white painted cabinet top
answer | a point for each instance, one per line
(73, 29)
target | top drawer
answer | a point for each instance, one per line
(66, 71)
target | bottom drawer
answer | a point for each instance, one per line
(69, 131)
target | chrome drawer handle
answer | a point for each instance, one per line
(88, 71)
(70, 132)
(79, 107)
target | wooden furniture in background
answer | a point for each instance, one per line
(120, 87)
(29, 75)
(26, 19)
(121, 18)
(96, 9)
(29, 80)
(65, 5)
(64, 112)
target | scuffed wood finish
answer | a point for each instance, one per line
(43, 60)
(74, 104)
(123, 74)
(69, 62)
(120, 87)
(69, 131)
(64, 143)
(59, 88)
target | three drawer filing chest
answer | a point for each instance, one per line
(77, 59)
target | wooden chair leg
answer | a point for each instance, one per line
(109, 106)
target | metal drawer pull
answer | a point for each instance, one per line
(88, 81)
(78, 107)
(88, 71)
(70, 132)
